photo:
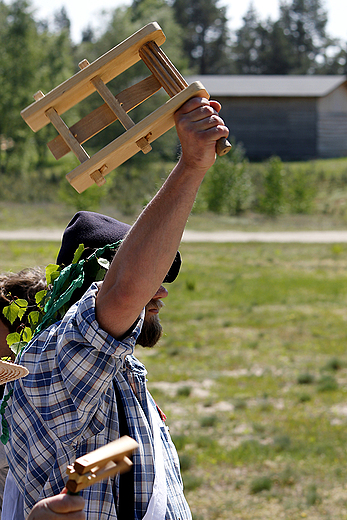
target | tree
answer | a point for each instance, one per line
(248, 43)
(32, 59)
(304, 25)
(206, 36)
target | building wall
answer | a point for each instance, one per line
(332, 124)
(286, 127)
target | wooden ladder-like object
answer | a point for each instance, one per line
(145, 45)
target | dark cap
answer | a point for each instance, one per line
(94, 230)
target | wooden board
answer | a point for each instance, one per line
(124, 147)
(79, 86)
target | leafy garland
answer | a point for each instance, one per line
(51, 304)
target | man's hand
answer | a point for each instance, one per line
(59, 507)
(199, 126)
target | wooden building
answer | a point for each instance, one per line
(294, 117)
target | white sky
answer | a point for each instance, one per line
(82, 13)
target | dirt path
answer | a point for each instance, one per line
(204, 236)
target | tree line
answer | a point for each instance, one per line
(37, 55)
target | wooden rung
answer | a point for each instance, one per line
(113, 103)
(164, 78)
(103, 116)
(65, 133)
(115, 106)
(169, 66)
(79, 86)
(162, 68)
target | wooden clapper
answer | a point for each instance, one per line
(100, 464)
(145, 45)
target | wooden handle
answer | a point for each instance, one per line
(223, 146)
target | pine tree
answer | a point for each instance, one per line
(206, 36)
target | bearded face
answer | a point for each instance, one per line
(151, 329)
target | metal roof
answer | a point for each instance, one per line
(269, 86)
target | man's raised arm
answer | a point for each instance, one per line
(142, 261)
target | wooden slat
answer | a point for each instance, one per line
(124, 147)
(79, 86)
(159, 72)
(103, 116)
(113, 103)
(65, 133)
(162, 68)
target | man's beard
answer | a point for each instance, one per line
(150, 333)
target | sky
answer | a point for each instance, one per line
(82, 13)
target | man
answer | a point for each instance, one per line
(85, 387)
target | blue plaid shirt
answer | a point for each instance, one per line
(66, 407)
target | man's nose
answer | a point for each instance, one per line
(161, 293)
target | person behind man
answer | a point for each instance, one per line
(24, 285)
(85, 387)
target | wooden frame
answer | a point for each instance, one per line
(144, 44)
(100, 464)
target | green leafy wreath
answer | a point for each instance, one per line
(51, 304)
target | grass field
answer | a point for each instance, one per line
(252, 374)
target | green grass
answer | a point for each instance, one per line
(244, 337)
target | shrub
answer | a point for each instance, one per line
(333, 364)
(327, 383)
(227, 187)
(186, 462)
(301, 189)
(305, 378)
(260, 484)
(271, 202)
(312, 496)
(208, 421)
(191, 481)
(184, 391)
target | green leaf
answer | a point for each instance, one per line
(33, 319)
(15, 310)
(39, 296)
(52, 272)
(78, 254)
(22, 306)
(10, 312)
(12, 338)
(26, 334)
(100, 275)
(17, 347)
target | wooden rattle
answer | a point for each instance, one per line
(101, 463)
(145, 45)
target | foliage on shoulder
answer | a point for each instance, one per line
(53, 303)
